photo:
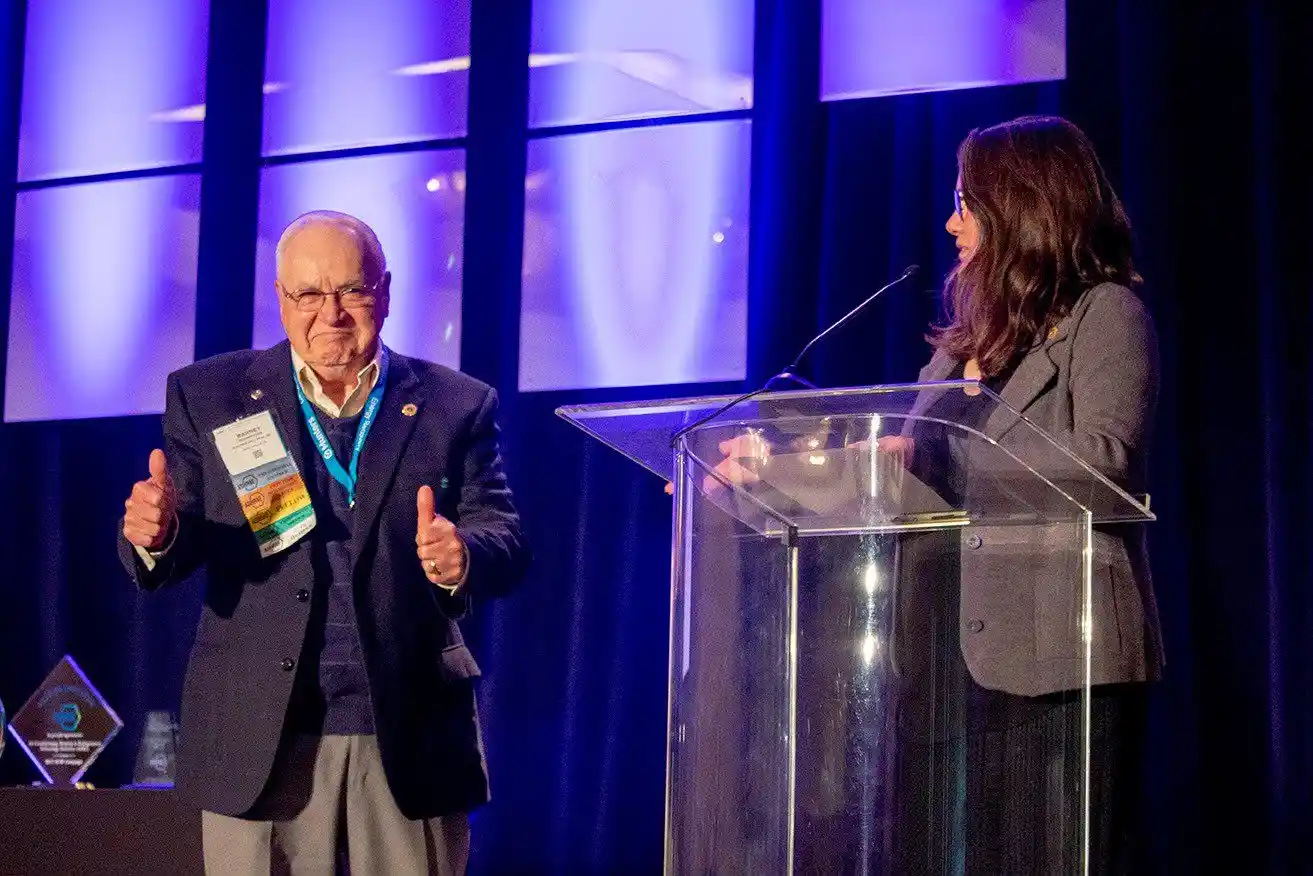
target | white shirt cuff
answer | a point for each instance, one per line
(464, 575)
(149, 558)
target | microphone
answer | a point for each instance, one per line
(790, 373)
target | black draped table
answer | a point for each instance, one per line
(44, 831)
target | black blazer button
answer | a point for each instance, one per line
(303, 595)
(974, 541)
(287, 664)
(975, 626)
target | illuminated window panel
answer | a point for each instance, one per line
(342, 73)
(111, 87)
(636, 257)
(871, 49)
(104, 297)
(415, 202)
(598, 60)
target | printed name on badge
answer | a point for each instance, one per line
(269, 487)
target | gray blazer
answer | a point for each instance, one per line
(1093, 385)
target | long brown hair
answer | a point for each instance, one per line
(1051, 227)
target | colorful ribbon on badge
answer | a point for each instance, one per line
(269, 488)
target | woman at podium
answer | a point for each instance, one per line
(1040, 309)
(954, 741)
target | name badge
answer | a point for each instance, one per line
(269, 487)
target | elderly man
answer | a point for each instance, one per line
(347, 503)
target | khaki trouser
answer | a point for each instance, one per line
(325, 790)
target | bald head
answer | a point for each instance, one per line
(328, 227)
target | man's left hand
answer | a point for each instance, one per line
(439, 547)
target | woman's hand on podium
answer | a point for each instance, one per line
(740, 452)
(150, 510)
(891, 444)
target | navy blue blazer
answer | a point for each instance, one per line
(254, 619)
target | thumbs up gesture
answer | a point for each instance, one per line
(439, 547)
(149, 518)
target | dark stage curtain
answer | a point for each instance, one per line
(1198, 111)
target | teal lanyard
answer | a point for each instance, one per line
(345, 477)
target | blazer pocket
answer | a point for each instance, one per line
(1106, 635)
(1057, 590)
(458, 664)
(1060, 618)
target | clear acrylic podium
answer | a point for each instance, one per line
(838, 593)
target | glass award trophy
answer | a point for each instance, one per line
(64, 725)
(157, 754)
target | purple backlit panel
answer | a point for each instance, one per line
(342, 73)
(636, 257)
(104, 297)
(871, 49)
(415, 202)
(112, 86)
(596, 60)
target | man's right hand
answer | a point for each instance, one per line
(151, 508)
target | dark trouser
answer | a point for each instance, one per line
(1013, 802)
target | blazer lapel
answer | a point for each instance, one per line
(1033, 375)
(269, 387)
(385, 445)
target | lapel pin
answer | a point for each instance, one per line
(257, 394)
(1053, 333)
(409, 409)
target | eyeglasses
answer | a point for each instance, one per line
(349, 297)
(958, 206)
